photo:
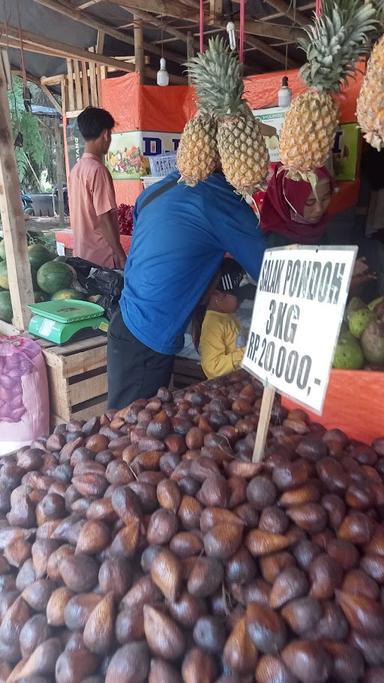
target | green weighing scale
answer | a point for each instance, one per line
(59, 321)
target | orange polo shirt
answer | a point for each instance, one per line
(91, 194)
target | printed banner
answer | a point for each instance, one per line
(128, 156)
(345, 153)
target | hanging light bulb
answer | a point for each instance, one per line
(162, 74)
(284, 94)
(231, 35)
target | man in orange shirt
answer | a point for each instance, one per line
(92, 201)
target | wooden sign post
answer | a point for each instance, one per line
(12, 216)
(297, 314)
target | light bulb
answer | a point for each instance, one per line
(284, 94)
(162, 75)
(231, 35)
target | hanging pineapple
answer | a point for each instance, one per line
(197, 155)
(332, 45)
(217, 77)
(370, 103)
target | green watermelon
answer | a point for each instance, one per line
(40, 296)
(6, 313)
(38, 254)
(2, 251)
(64, 294)
(53, 276)
(3, 275)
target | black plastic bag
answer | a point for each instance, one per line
(96, 280)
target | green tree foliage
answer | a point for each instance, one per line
(29, 157)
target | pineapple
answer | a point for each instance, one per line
(197, 155)
(217, 77)
(370, 103)
(333, 45)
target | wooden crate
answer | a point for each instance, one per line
(77, 377)
(186, 372)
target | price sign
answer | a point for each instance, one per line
(296, 319)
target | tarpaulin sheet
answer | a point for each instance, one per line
(121, 96)
(354, 403)
(147, 107)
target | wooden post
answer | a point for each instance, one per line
(78, 90)
(84, 83)
(263, 426)
(12, 216)
(71, 90)
(139, 49)
(100, 42)
(60, 170)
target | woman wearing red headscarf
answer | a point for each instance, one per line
(292, 211)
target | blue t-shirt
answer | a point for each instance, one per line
(179, 241)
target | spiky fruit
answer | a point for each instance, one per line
(370, 103)
(197, 155)
(338, 37)
(217, 77)
(243, 153)
(307, 135)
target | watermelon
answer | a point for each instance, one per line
(6, 312)
(53, 276)
(40, 296)
(38, 254)
(3, 275)
(64, 294)
(2, 251)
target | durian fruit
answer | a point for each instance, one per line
(333, 44)
(370, 103)
(197, 155)
(217, 77)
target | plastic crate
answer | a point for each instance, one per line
(162, 164)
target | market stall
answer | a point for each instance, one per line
(217, 533)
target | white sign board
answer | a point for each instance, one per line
(298, 311)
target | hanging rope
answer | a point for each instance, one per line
(201, 25)
(242, 26)
(318, 8)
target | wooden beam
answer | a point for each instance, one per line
(215, 10)
(147, 17)
(86, 19)
(12, 217)
(78, 90)
(271, 52)
(267, 30)
(60, 172)
(71, 86)
(139, 50)
(84, 84)
(88, 3)
(58, 48)
(100, 42)
(278, 15)
(49, 95)
(76, 15)
(288, 11)
(170, 8)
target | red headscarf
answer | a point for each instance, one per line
(284, 204)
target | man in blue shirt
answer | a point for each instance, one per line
(179, 240)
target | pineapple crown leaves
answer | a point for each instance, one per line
(335, 41)
(217, 77)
